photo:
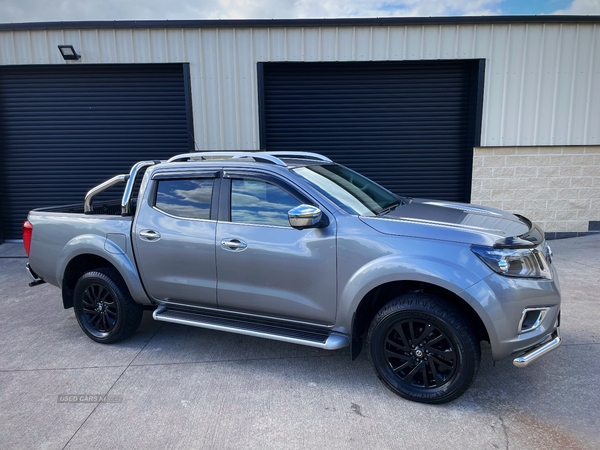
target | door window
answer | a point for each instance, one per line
(186, 198)
(260, 203)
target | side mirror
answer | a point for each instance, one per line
(304, 216)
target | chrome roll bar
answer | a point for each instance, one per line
(87, 203)
(126, 200)
(272, 157)
(88, 208)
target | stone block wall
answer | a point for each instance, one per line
(557, 187)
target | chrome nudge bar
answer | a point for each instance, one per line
(539, 350)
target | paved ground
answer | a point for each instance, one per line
(185, 387)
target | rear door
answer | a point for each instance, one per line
(174, 238)
(264, 265)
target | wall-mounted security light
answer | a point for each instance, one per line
(68, 53)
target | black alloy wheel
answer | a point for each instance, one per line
(104, 308)
(423, 349)
(100, 310)
(420, 353)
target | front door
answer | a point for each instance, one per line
(264, 265)
(174, 238)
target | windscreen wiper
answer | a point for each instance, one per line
(389, 208)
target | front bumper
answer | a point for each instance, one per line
(539, 350)
(501, 301)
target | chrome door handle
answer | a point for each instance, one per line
(149, 235)
(233, 244)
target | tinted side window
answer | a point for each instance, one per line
(260, 203)
(185, 198)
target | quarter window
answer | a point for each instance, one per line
(260, 203)
(187, 198)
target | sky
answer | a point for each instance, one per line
(68, 10)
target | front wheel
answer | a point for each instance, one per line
(104, 308)
(423, 349)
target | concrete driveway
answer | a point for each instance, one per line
(173, 386)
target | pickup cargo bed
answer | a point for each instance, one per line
(110, 208)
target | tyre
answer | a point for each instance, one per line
(423, 349)
(104, 308)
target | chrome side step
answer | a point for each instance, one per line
(312, 337)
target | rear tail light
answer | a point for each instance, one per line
(27, 232)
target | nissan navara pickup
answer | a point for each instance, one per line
(294, 247)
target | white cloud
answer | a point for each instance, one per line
(66, 10)
(40, 10)
(581, 7)
(352, 8)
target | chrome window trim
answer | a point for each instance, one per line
(180, 217)
(260, 225)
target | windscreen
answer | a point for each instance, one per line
(349, 190)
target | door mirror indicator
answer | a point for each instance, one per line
(305, 216)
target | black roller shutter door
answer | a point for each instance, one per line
(411, 126)
(67, 128)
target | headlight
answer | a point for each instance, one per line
(515, 262)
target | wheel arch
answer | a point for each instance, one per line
(380, 295)
(75, 269)
(103, 306)
(89, 252)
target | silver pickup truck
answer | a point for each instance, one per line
(294, 247)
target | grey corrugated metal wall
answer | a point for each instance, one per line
(65, 129)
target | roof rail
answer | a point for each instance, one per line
(301, 155)
(233, 154)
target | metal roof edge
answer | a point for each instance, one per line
(290, 23)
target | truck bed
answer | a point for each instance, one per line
(55, 227)
(107, 208)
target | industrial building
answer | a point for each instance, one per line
(500, 111)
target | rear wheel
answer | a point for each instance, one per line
(104, 308)
(423, 349)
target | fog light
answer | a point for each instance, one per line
(531, 319)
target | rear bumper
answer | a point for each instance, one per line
(539, 350)
(36, 278)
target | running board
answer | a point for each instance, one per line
(312, 337)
